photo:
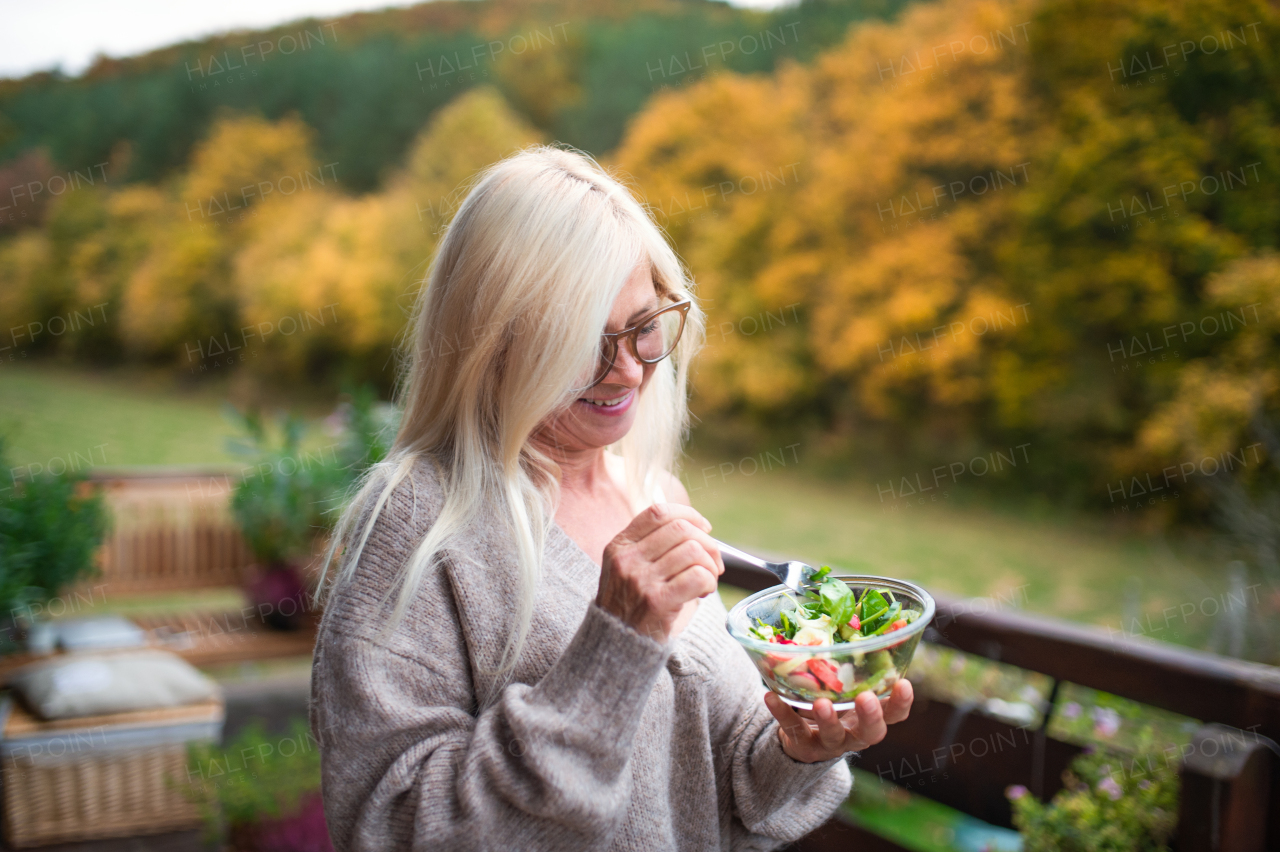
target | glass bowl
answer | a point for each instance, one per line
(801, 674)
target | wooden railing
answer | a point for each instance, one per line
(1230, 771)
(171, 529)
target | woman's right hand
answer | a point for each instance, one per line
(661, 561)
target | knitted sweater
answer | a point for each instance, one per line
(600, 739)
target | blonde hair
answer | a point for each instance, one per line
(516, 298)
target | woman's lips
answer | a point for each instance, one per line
(619, 406)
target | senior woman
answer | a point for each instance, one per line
(521, 647)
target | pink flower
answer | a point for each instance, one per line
(1106, 722)
(1070, 710)
(1109, 786)
(302, 831)
(1017, 791)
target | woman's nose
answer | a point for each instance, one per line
(627, 368)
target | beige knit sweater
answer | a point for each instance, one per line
(602, 739)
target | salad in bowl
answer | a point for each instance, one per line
(846, 636)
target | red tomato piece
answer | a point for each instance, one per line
(827, 674)
(855, 623)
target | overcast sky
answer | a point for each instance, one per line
(37, 35)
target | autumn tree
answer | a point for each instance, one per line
(994, 205)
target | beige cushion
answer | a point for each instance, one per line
(91, 684)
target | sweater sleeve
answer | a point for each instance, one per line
(773, 794)
(407, 763)
(776, 795)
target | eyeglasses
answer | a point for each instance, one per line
(650, 340)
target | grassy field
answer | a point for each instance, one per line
(1075, 568)
(114, 418)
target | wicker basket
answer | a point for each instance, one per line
(100, 776)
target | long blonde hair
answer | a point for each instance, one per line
(516, 298)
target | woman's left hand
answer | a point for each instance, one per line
(820, 734)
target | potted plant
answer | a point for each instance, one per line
(50, 529)
(261, 793)
(278, 505)
(289, 496)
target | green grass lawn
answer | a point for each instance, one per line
(1076, 568)
(114, 418)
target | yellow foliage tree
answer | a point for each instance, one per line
(476, 129)
(24, 263)
(247, 160)
(346, 270)
(1218, 396)
(813, 196)
(962, 242)
(180, 302)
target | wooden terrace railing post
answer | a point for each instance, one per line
(1226, 790)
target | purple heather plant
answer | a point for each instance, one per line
(1111, 802)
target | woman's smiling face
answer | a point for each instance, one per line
(603, 414)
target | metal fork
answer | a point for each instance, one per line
(793, 575)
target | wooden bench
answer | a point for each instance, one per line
(172, 532)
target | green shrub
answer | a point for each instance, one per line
(1111, 803)
(254, 777)
(50, 528)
